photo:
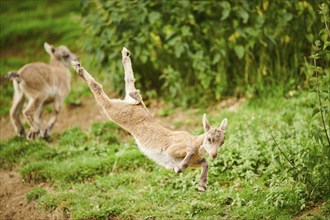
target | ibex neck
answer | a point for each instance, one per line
(200, 142)
(57, 63)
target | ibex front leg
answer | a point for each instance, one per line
(100, 96)
(57, 107)
(179, 151)
(185, 162)
(203, 179)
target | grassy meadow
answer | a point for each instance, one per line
(100, 172)
(274, 163)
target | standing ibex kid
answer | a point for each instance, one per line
(40, 83)
(171, 149)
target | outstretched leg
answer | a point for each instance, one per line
(132, 95)
(18, 102)
(100, 96)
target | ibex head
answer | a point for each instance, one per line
(61, 53)
(214, 137)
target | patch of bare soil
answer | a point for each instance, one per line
(14, 205)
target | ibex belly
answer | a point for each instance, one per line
(159, 156)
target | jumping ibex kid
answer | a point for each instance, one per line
(40, 83)
(171, 149)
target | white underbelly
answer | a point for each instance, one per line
(159, 156)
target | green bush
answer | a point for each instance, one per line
(202, 50)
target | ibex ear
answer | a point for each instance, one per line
(206, 124)
(223, 124)
(49, 48)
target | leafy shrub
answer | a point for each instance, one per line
(202, 50)
(317, 161)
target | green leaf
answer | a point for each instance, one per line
(153, 16)
(178, 50)
(226, 10)
(326, 109)
(252, 31)
(310, 37)
(324, 35)
(326, 44)
(185, 31)
(316, 110)
(315, 56)
(244, 15)
(225, 14)
(216, 59)
(239, 50)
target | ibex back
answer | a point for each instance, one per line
(171, 149)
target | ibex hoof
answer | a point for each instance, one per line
(45, 135)
(78, 68)
(75, 64)
(125, 52)
(22, 133)
(178, 170)
(136, 96)
(202, 188)
(32, 135)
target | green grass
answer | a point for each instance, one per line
(100, 173)
(35, 193)
(94, 174)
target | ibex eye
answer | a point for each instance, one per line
(66, 56)
(209, 139)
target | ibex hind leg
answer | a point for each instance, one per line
(132, 95)
(32, 113)
(16, 108)
(129, 75)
